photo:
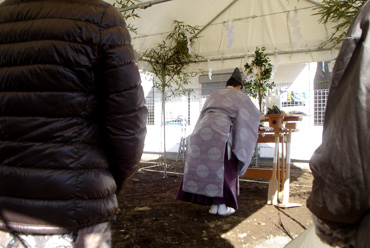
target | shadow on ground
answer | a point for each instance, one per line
(150, 216)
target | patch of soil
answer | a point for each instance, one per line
(149, 215)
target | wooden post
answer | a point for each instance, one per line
(273, 183)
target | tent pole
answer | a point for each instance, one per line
(209, 23)
(143, 5)
(268, 54)
(233, 19)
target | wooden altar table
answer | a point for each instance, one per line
(279, 175)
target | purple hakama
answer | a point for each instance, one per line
(230, 189)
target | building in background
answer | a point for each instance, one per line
(301, 89)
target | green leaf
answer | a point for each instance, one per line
(258, 87)
(170, 58)
(121, 4)
(340, 12)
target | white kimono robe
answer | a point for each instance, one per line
(228, 117)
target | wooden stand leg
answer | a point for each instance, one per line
(286, 181)
(281, 180)
(273, 183)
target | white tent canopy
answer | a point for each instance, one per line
(288, 29)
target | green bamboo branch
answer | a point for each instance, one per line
(121, 4)
(340, 12)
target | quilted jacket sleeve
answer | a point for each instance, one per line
(123, 98)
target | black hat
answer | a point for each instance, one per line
(236, 78)
(237, 75)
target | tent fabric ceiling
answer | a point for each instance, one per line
(288, 29)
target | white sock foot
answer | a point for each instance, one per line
(224, 211)
(213, 209)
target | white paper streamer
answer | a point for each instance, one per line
(297, 36)
(187, 37)
(230, 34)
(275, 66)
(209, 69)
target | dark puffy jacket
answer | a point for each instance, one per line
(72, 114)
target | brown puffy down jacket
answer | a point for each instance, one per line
(72, 114)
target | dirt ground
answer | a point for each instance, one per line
(150, 216)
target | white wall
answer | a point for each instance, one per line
(304, 141)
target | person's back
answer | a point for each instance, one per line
(220, 148)
(72, 114)
(340, 166)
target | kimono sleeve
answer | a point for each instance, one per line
(245, 132)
